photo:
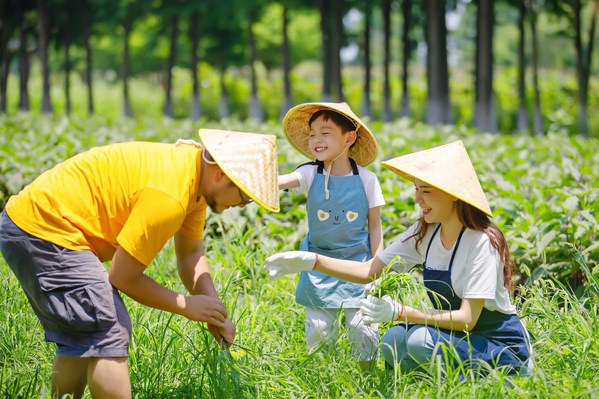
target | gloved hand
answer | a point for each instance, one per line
(372, 286)
(289, 262)
(380, 310)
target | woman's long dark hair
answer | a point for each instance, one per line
(475, 219)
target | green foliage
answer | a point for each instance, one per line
(544, 192)
(545, 197)
(394, 285)
(171, 357)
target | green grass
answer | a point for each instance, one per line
(545, 196)
(176, 358)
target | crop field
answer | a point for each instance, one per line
(545, 196)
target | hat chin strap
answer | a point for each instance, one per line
(328, 173)
(209, 162)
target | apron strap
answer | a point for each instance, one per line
(320, 168)
(310, 163)
(431, 241)
(354, 167)
(455, 248)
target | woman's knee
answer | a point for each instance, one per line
(419, 344)
(393, 344)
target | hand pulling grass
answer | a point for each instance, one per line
(393, 284)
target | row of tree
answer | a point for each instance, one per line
(222, 33)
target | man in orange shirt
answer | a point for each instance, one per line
(121, 203)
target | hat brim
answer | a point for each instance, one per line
(447, 168)
(297, 131)
(249, 160)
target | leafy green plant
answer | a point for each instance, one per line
(544, 193)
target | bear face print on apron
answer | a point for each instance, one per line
(498, 339)
(337, 228)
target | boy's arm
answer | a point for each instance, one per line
(288, 181)
(375, 230)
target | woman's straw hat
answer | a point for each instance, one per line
(446, 167)
(295, 126)
(249, 160)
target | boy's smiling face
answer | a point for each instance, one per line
(327, 139)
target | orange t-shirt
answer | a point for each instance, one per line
(135, 195)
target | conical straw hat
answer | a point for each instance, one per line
(249, 160)
(446, 167)
(295, 126)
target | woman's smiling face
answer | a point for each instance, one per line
(437, 206)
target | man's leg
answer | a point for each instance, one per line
(108, 377)
(69, 376)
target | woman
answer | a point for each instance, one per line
(467, 272)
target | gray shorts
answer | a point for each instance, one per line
(70, 294)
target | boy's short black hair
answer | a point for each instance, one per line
(342, 121)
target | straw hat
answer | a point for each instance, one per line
(295, 126)
(249, 160)
(446, 167)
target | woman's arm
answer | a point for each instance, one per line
(349, 270)
(463, 319)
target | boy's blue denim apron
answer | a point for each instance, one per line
(337, 228)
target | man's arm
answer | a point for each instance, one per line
(193, 267)
(195, 274)
(127, 275)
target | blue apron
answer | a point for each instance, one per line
(498, 339)
(336, 228)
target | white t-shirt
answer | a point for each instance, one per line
(305, 174)
(477, 270)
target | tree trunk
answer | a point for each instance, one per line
(366, 108)
(172, 55)
(24, 66)
(224, 96)
(538, 118)
(386, 9)
(89, 71)
(67, 72)
(325, 27)
(438, 106)
(4, 55)
(523, 125)
(337, 29)
(406, 8)
(583, 64)
(255, 107)
(485, 114)
(127, 26)
(44, 39)
(288, 101)
(194, 37)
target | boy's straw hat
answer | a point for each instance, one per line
(249, 160)
(295, 126)
(446, 167)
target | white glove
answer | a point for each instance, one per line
(379, 310)
(372, 286)
(289, 262)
